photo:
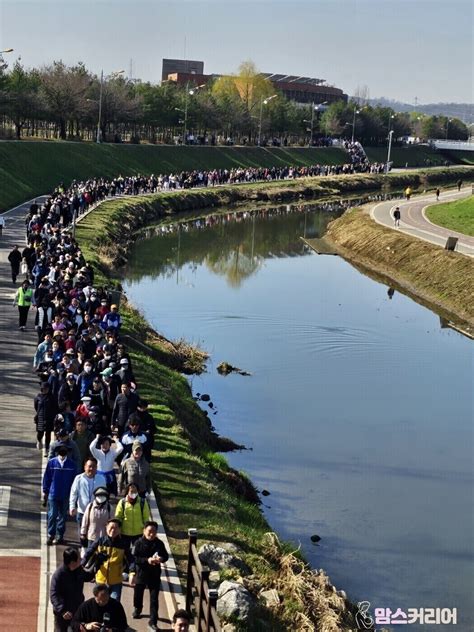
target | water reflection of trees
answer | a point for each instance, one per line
(232, 245)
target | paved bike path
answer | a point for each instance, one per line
(25, 560)
(415, 223)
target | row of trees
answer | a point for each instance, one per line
(63, 102)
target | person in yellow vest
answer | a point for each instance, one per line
(23, 298)
(408, 193)
(110, 557)
(133, 512)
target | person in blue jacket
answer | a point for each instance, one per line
(57, 482)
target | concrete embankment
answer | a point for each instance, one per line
(438, 278)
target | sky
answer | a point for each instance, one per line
(399, 49)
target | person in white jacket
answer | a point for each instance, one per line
(106, 451)
(82, 490)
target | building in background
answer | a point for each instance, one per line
(302, 90)
(305, 90)
(176, 66)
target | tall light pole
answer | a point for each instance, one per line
(112, 76)
(186, 97)
(390, 119)
(447, 127)
(356, 111)
(390, 134)
(262, 103)
(314, 108)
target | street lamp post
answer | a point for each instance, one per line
(356, 111)
(262, 103)
(390, 134)
(314, 108)
(448, 121)
(113, 75)
(188, 92)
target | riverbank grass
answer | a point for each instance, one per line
(458, 215)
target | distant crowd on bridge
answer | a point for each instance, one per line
(93, 427)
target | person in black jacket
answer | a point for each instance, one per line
(15, 260)
(100, 612)
(150, 553)
(46, 410)
(125, 404)
(66, 592)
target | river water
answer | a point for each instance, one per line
(359, 408)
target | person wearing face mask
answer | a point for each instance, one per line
(63, 439)
(83, 488)
(69, 391)
(85, 379)
(57, 482)
(106, 452)
(96, 516)
(133, 512)
(86, 345)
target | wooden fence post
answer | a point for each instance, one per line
(192, 534)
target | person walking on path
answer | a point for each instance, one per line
(459, 183)
(101, 612)
(67, 589)
(23, 298)
(408, 193)
(136, 470)
(106, 453)
(396, 216)
(96, 516)
(133, 513)
(46, 411)
(83, 488)
(57, 482)
(437, 194)
(2, 224)
(113, 557)
(15, 261)
(150, 553)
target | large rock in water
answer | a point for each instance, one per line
(217, 558)
(234, 601)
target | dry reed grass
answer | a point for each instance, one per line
(318, 606)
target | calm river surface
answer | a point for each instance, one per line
(359, 409)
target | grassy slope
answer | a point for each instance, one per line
(414, 156)
(28, 168)
(437, 276)
(457, 215)
(464, 157)
(32, 168)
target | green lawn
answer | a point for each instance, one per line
(415, 156)
(29, 168)
(458, 216)
(32, 168)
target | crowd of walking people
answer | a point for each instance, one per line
(68, 203)
(91, 423)
(93, 428)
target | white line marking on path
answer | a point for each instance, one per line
(20, 552)
(5, 491)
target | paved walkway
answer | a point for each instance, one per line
(415, 223)
(26, 563)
